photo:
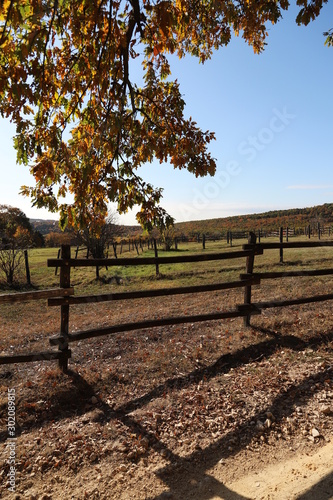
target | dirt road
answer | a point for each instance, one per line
(303, 478)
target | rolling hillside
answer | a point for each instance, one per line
(51, 226)
(296, 218)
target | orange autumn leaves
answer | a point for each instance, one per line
(86, 121)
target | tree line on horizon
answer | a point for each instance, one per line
(294, 218)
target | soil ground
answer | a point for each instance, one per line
(193, 411)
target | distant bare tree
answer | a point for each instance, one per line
(97, 236)
(167, 236)
(11, 261)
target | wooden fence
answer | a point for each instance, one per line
(317, 231)
(138, 244)
(64, 297)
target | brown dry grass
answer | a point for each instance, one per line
(148, 407)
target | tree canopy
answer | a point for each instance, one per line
(84, 124)
(13, 225)
(16, 234)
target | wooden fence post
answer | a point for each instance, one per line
(58, 257)
(76, 253)
(27, 270)
(204, 241)
(106, 255)
(281, 241)
(65, 282)
(114, 245)
(309, 231)
(156, 256)
(319, 230)
(249, 270)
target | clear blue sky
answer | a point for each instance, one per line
(273, 118)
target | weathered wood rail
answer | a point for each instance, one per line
(12, 298)
(64, 297)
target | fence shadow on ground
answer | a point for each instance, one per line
(73, 400)
(195, 466)
(322, 490)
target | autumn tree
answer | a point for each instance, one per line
(15, 235)
(167, 237)
(13, 220)
(56, 239)
(98, 234)
(85, 121)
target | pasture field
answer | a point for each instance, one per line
(176, 411)
(179, 274)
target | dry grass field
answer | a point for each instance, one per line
(171, 412)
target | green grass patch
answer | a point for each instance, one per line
(175, 274)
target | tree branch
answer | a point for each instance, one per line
(2, 39)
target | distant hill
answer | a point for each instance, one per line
(45, 226)
(51, 226)
(296, 218)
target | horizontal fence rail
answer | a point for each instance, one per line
(85, 299)
(141, 325)
(287, 274)
(36, 295)
(291, 302)
(288, 244)
(38, 356)
(148, 261)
